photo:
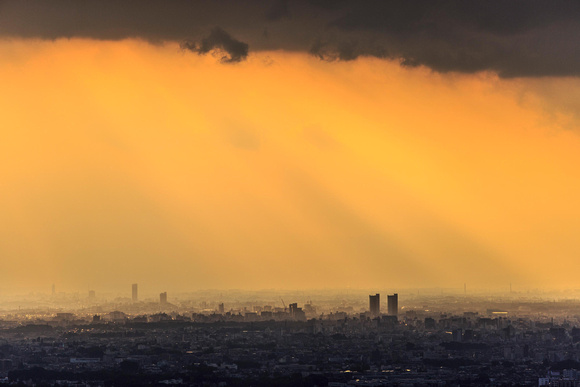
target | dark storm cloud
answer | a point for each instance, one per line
(510, 37)
(342, 51)
(235, 51)
(278, 10)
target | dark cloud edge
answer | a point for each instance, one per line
(513, 38)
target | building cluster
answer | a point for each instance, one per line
(292, 346)
(375, 305)
(135, 294)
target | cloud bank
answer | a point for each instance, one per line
(515, 38)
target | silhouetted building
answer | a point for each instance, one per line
(429, 323)
(221, 308)
(375, 305)
(296, 312)
(393, 304)
(65, 316)
(468, 335)
(117, 316)
(266, 314)
(134, 294)
(163, 298)
(389, 321)
(92, 295)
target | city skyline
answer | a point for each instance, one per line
(314, 193)
(441, 339)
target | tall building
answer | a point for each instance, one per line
(92, 295)
(163, 298)
(296, 312)
(221, 308)
(134, 294)
(393, 304)
(375, 305)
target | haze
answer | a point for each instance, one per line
(126, 161)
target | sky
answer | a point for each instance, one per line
(313, 144)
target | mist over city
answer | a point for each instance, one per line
(306, 338)
(289, 193)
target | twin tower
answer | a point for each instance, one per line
(392, 305)
(135, 295)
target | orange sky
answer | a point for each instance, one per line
(126, 162)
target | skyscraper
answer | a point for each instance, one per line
(163, 298)
(393, 304)
(375, 305)
(134, 293)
